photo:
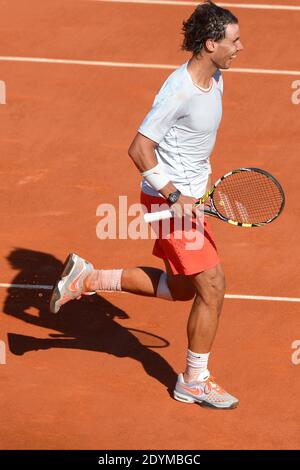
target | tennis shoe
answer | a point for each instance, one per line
(71, 283)
(207, 392)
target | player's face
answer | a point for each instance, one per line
(228, 48)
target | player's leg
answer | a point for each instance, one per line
(206, 309)
(139, 280)
(147, 281)
(196, 384)
(154, 282)
(79, 277)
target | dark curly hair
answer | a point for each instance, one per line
(208, 21)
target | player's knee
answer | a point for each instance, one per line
(219, 283)
(211, 285)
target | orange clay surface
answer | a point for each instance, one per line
(100, 373)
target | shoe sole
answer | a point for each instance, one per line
(188, 399)
(56, 293)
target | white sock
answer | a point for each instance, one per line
(196, 364)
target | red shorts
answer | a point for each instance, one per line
(185, 253)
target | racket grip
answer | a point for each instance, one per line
(161, 215)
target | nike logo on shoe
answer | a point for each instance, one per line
(74, 284)
(193, 391)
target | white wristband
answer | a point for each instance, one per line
(156, 177)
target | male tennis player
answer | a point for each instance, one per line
(172, 151)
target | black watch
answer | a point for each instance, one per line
(173, 197)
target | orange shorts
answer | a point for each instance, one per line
(189, 250)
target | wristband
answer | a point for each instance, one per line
(156, 177)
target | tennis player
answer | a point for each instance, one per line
(172, 152)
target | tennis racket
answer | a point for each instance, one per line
(247, 197)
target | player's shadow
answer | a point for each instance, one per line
(87, 324)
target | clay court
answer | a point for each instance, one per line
(100, 373)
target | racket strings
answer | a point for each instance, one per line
(248, 197)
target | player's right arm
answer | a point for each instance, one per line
(142, 153)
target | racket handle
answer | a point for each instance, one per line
(161, 215)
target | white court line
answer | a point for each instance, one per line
(262, 297)
(26, 286)
(97, 63)
(251, 6)
(227, 296)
